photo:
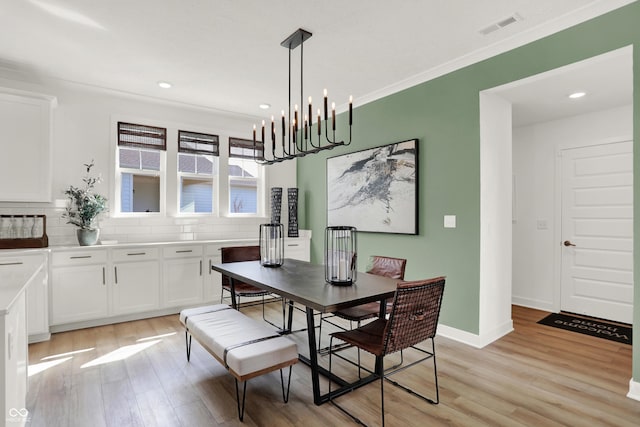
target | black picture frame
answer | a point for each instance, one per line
(375, 189)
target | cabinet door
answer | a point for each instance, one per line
(38, 307)
(25, 164)
(136, 287)
(13, 389)
(78, 293)
(212, 280)
(182, 282)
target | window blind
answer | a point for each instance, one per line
(142, 136)
(244, 149)
(198, 143)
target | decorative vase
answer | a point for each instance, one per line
(292, 198)
(88, 237)
(271, 245)
(276, 204)
(340, 255)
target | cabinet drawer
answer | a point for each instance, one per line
(79, 257)
(186, 251)
(134, 254)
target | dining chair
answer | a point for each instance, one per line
(242, 289)
(412, 320)
(379, 265)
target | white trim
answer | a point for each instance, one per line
(634, 390)
(474, 340)
(575, 17)
(534, 303)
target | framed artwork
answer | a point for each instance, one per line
(376, 189)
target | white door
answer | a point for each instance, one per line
(597, 231)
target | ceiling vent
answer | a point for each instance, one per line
(500, 24)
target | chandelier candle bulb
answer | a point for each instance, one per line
(325, 104)
(350, 109)
(295, 119)
(333, 115)
(254, 134)
(310, 112)
(319, 122)
(262, 140)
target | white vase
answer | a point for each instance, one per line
(88, 237)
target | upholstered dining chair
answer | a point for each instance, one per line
(413, 319)
(246, 253)
(379, 265)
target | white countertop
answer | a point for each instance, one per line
(13, 280)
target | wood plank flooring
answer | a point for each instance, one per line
(136, 374)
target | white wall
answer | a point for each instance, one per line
(495, 217)
(535, 149)
(84, 130)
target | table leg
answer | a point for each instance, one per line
(313, 357)
(232, 284)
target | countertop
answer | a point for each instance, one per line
(13, 280)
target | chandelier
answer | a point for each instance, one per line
(299, 134)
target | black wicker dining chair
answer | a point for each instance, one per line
(381, 266)
(413, 319)
(242, 289)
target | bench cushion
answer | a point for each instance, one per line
(219, 327)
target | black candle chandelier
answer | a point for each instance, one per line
(299, 140)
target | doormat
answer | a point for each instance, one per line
(588, 326)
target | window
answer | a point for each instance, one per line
(244, 176)
(140, 166)
(197, 169)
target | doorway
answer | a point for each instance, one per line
(544, 120)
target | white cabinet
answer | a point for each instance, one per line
(25, 137)
(182, 275)
(79, 286)
(13, 389)
(37, 292)
(212, 279)
(297, 248)
(136, 280)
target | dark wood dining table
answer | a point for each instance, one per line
(304, 283)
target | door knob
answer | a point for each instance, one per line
(568, 243)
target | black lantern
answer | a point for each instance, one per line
(272, 244)
(340, 252)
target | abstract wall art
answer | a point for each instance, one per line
(375, 190)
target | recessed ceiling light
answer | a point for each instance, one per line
(164, 85)
(577, 95)
(265, 106)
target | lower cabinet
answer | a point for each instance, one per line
(136, 280)
(182, 275)
(91, 285)
(78, 293)
(13, 365)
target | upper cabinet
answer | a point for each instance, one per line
(25, 141)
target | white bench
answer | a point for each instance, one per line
(245, 347)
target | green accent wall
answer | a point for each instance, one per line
(443, 114)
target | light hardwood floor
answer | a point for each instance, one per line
(136, 374)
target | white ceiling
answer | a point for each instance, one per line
(226, 54)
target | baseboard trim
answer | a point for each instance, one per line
(634, 390)
(475, 340)
(533, 303)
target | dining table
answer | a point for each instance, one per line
(304, 283)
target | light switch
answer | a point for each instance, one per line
(449, 221)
